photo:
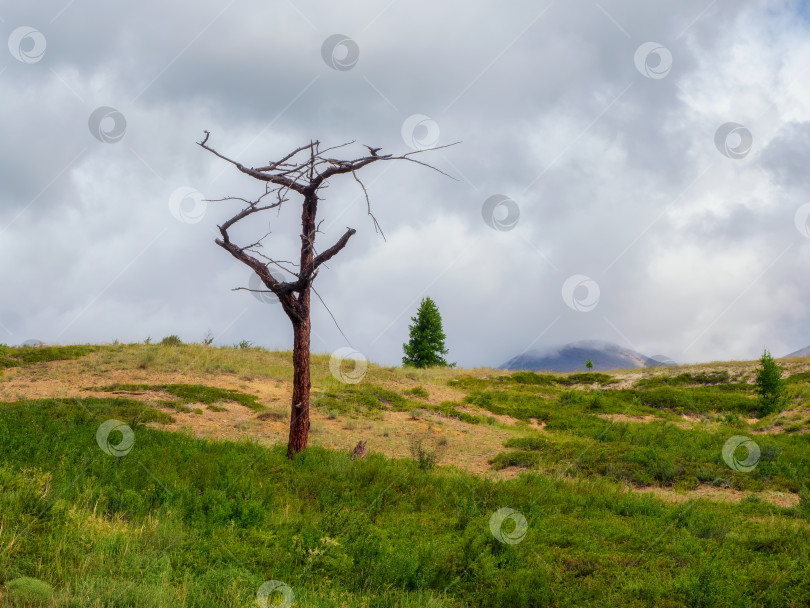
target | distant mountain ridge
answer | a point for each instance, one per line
(571, 358)
(802, 352)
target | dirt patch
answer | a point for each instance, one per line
(624, 381)
(650, 418)
(537, 425)
(780, 499)
(455, 443)
(626, 418)
(64, 379)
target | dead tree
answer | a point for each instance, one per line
(304, 171)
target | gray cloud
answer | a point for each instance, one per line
(615, 174)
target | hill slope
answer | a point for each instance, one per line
(615, 486)
(802, 352)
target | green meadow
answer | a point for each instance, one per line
(608, 490)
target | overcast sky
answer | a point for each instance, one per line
(649, 163)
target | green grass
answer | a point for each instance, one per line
(369, 400)
(191, 393)
(524, 460)
(582, 444)
(535, 379)
(362, 399)
(686, 379)
(417, 391)
(181, 521)
(17, 356)
(186, 522)
(448, 408)
(801, 377)
(661, 453)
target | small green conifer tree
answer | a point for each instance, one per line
(426, 345)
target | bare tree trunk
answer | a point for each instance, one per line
(299, 420)
(299, 416)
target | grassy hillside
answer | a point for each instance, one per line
(619, 478)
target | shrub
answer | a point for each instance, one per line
(152, 415)
(586, 378)
(417, 391)
(769, 385)
(597, 401)
(533, 378)
(702, 590)
(524, 460)
(526, 443)
(686, 379)
(804, 502)
(447, 408)
(172, 340)
(572, 398)
(424, 458)
(26, 591)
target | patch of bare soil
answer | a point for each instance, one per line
(626, 418)
(63, 379)
(624, 381)
(780, 499)
(537, 425)
(688, 424)
(455, 443)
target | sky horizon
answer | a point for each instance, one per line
(632, 174)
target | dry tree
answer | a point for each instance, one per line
(304, 172)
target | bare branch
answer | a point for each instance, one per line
(281, 162)
(267, 177)
(377, 227)
(253, 290)
(243, 214)
(348, 143)
(334, 249)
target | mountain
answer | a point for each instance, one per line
(803, 352)
(571, 357)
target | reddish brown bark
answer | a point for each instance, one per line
(299, 415)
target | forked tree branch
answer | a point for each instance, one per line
(305, 175)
